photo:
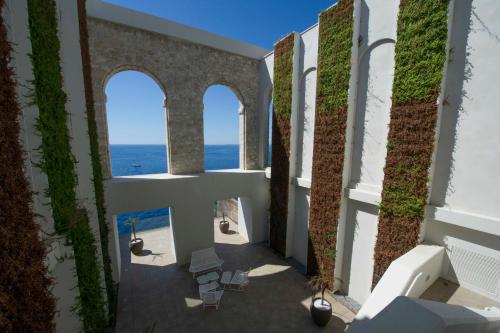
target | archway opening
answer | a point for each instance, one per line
(136, 119)
(222, 122)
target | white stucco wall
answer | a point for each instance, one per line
(371, 120)
(464, 214)
(308, 52)
(300, 235)
(463, 209)
(191, 199)
(307, 104)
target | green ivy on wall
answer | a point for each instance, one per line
(59, 164)
(420, 56)
(26, 301)
(282, 80)
(96, 164)
(334, 68)
(282, 109)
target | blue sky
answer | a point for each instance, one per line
(134, 107)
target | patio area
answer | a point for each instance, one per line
(156, 291)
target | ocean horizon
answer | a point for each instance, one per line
(142, 159)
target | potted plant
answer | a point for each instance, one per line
(135, 244)
(224, 224)
(321, 309)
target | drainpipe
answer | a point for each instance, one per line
(292, 171)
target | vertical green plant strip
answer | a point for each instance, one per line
(334, 68)
(282, 109)
(57, 160)
(91, 300)
(26, 302)
(59, 164)
(96, 164)
(420, 58)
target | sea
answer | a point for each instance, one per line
(129, 160)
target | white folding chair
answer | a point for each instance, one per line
(212, 298)
(239, 280)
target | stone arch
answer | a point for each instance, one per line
(103, 125)
(241, 116)
(184, 69)
(128, 67)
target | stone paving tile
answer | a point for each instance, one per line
(156, 290)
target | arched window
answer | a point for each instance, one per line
(221, 122)
(136, 120)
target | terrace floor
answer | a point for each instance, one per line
(451, 293)
(155, 291)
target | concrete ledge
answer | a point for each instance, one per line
(369, 197)
(486, 224)
(302, 182)
(132, 18)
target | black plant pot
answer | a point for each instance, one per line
(224, 226)
(135, 245)
(321, 311)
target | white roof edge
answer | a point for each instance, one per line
(132, 18)
(310, 28)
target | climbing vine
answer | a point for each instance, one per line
(26, 303)
(282, 108)
(420, 58)
(59, 164)
(94, 153)
(334, 67)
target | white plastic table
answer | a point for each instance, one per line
(206, 278)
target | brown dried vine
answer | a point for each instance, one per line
(26, 303)
(282, 103)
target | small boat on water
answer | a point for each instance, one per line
(136, 165)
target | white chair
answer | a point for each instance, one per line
(239, 280)
(212, 298)
(226, 279)
(203, 288)
(207, 278)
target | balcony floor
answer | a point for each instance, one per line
(154, 290)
